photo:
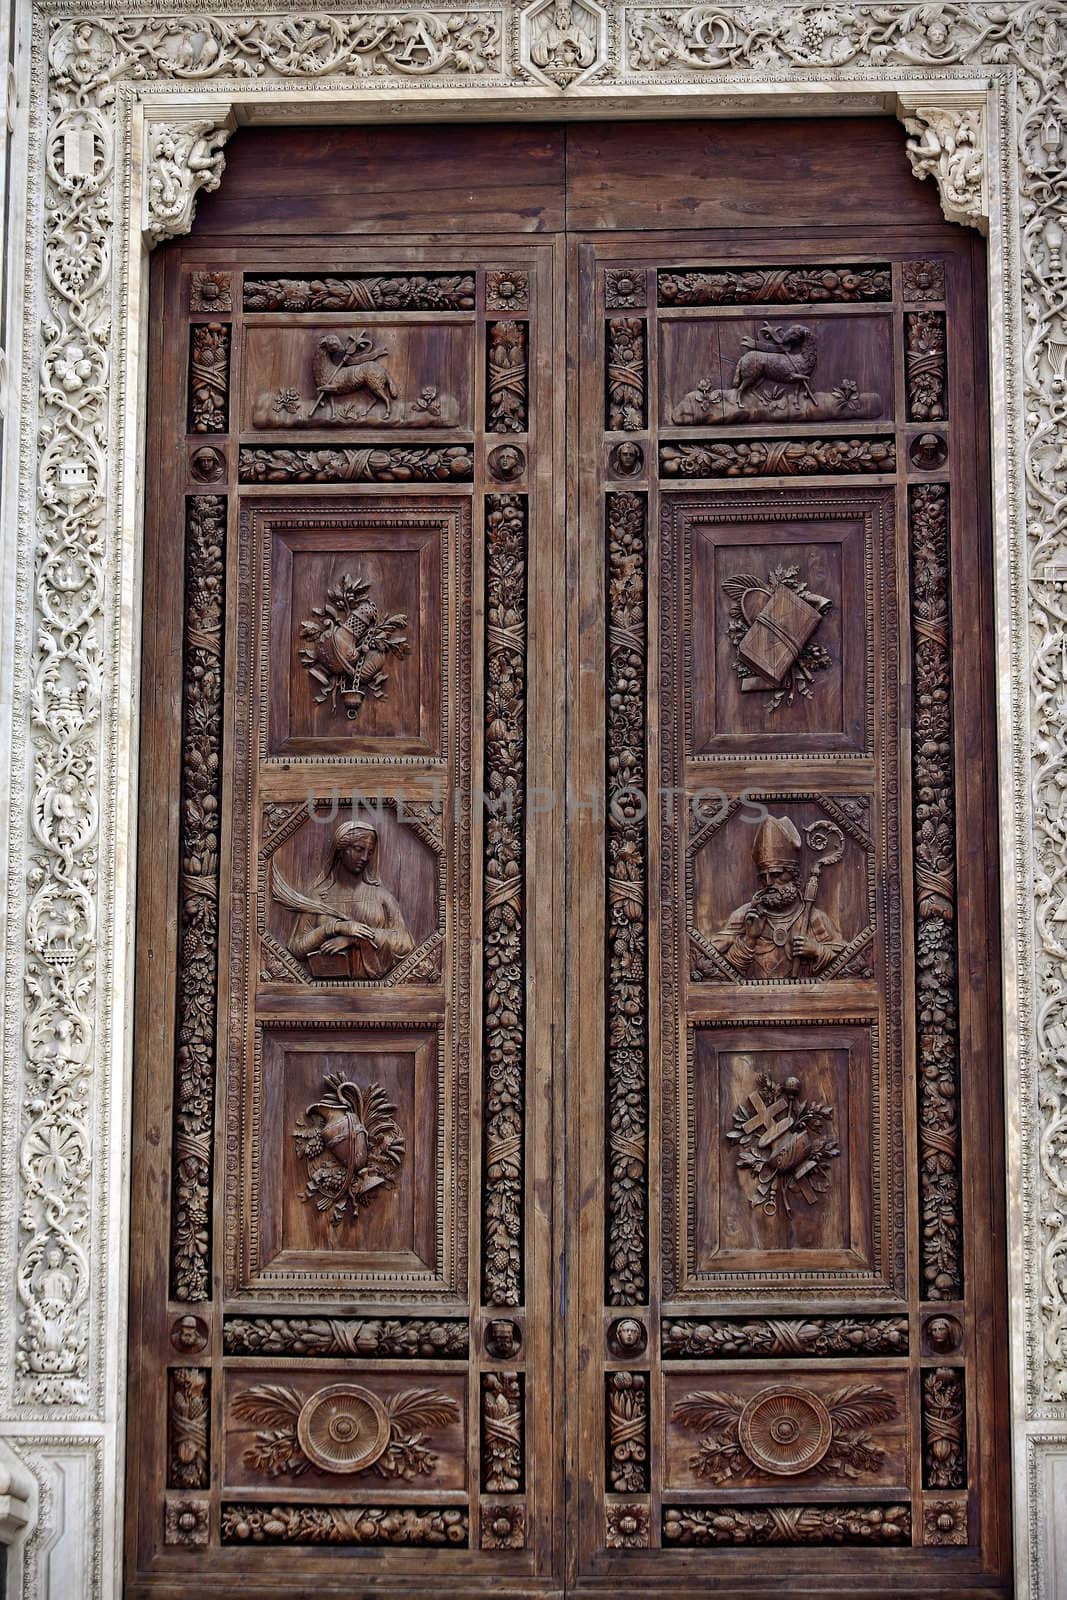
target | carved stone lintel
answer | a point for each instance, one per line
(182, 157)
(947, 144)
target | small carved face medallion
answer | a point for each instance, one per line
(627, 459)
(503, 1339)
(507, 463)
(189, 1334)
(943, 1334)
(207, 464)
(626, 1337)
(928, 451)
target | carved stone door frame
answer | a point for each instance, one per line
(128, 117)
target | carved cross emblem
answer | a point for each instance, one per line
(786, 1142)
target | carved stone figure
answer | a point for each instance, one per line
(561, 48)
(780, 932)
(352, 1146)
(346, 641)
(349, 927)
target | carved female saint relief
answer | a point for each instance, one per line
(349, 926)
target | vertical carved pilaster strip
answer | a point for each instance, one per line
(507, 400)
(504, 969)
(626, 932)
(188, 1410)
(201, 759)
(926, 362)
(503, 1465)
(627, 1410)
(209, 377)
(934, 829)
(626, 374)
(944, 1429)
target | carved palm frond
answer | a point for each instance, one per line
(270, 1405)
(378, 1112)
(858, 1404)
(414, 1409)
(739, 586)
(706, 1409)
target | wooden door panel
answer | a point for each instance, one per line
(343, 1127)
(782, 459)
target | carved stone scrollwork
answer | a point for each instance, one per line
(182, 159)
(627, 896)
(503, 1431)
(947, 144)
(345, 1525)
(194, 1065)
(688, 1526)
(504, 899)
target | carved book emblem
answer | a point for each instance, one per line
(344, 1428)
(786, 1143)
(773, 381)
(346, 642)
(771, 625)
(785, 1430)
(354, 387)
(781, 932)
(351, 1145)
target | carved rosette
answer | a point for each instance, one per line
(503, 1525)
(186, 1521)
(626, 867)
(934, 816)
(194, 1064)
(945, 1522)
(504, 895)
(627, 1527)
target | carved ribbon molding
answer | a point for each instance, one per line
(65, 780)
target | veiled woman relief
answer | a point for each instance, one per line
(349, 925)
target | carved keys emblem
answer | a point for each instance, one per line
(346, 643)
(343, 1428)
(785, 1430)
(786, 1142)
(351, 1145)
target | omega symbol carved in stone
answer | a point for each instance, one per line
(352, 1147)
(343, 1428)
(785, 1430)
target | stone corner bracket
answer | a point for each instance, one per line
(947, 143)
(182, 156)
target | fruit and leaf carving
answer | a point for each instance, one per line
(352, 1146)
(344, 1428)
(346, 642)
(785, 1430)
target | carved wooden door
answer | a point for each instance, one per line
(636, 724)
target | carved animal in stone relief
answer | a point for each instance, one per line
(345, 644)
(343, 1428)
(351, 1144)
(780, 932)
(785, 1142)
(772, 382)
(348, 925)
(785, 1430)
(353, 388)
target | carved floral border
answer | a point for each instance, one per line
(93, 75)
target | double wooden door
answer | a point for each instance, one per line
(568, 1153)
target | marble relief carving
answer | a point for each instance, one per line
(65, 772)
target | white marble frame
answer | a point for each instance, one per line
(127, 116)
